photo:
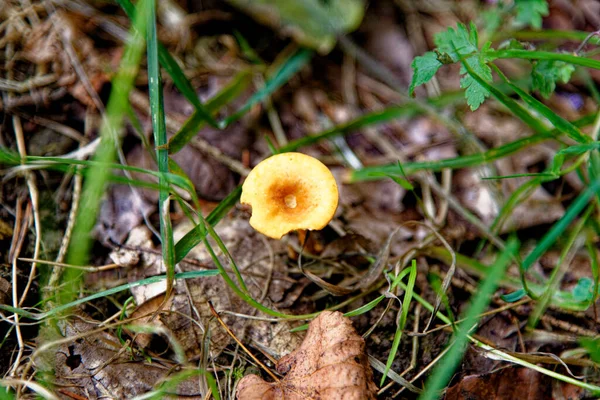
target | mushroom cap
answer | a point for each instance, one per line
(290, 191)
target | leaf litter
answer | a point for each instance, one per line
(330, 364)
(105, 360)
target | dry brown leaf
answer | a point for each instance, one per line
(330, 364)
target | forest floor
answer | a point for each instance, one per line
(464, 249)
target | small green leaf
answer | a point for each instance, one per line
(424, 68)
(580, 148)
(530, 12)
(592, 345)
(546, 73)
(475, 92)
(583, 291)
(514, 296)
(457, 43)
(462, 44)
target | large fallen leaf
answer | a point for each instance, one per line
(312, 23)
(330, 364)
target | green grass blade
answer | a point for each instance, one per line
(195, 236)
(288, 68)
(559, 227)
(174, 70)
(472, 160)
(408, 294)
(374, 118)
(64, 307)
(516, 108)
(560, 123)
(191, 127)
(553, 282)
(183, 84)
(546, 55)
(546, 34)
(162, 154)
(445, 369)
(93, 189)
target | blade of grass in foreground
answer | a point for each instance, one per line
(471, 160)
(546, 55)
(191, 127)
(162, 154)
(170, 65)
(112, 124)
(555, 232)
(445, 369)
(197, 233)
(560, 123)
(292, 65)
(402, 322)
(64, 307)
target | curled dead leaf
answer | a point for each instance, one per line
(330, 364)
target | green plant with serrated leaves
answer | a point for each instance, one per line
(462, 45)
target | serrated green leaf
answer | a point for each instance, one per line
(546, 73)
(424, 68)
(592, 345)
(457, 43)
(461, 44)
(530, 12)
(475, 92)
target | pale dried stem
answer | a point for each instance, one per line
(21, 225)
(34, 195)
(256, 360)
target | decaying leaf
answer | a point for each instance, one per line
(96, 365)
(330, 364)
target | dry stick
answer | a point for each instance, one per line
(256, 360)
(15, 249)
(90, 268)
(424, 370)
(34, 195)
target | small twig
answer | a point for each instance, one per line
(106, 267)
(267, 370)
(15, 248)
(585, 42)
(34, 195)
(29, 84)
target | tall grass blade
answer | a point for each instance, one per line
(162, 154)
(408, 294)
(174, 70)
(112, 124)
(288, 68)
(445, 369)
(64, 307)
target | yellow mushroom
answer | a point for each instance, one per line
(290, 191)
